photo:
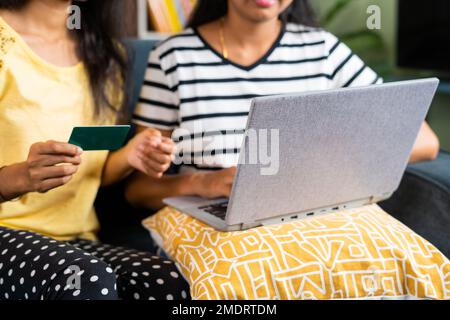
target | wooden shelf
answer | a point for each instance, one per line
(142, 16)
(151, 35)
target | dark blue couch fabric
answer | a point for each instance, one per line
(120, 223)
(437, 172)
(140, 51)
(422, 201)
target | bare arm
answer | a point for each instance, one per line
(12, 182)
(426, 147)
(145, 191)
(49, 165)
(116, 168)
(147, 152)
(148, 192)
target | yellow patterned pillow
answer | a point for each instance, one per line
(362, 253)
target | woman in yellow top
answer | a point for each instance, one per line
(53, 78)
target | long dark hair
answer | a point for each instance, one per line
(100, 49)
(300, 11)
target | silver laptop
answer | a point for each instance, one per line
(338, 149)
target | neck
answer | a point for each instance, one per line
(47, 17)
(249, 33)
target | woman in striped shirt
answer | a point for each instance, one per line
(199, 84)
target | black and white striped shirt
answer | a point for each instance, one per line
(191, 89)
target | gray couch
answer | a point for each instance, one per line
(422, 201)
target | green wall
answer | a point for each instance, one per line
(354, 18)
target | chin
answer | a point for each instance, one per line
(261, 18)
(263, 10)
(262, 15)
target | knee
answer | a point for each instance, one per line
(152, 278)
(85, 278)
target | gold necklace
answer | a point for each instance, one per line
(222, 38)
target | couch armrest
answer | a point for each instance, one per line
(423, 201)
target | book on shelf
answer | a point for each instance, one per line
(170, 16)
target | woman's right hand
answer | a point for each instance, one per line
(214, 184)
(50, 165)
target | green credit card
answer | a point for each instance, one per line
(99, 138)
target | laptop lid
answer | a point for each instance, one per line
(333, 147)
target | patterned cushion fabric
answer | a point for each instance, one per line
(361, 253)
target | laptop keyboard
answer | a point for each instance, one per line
(218, 210)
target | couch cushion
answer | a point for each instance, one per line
(422, 201)
(437, 171)
(362, 253)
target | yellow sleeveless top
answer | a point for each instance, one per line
(41, 102)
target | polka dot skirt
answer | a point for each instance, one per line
(33, 267)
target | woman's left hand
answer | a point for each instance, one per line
(150, 153)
